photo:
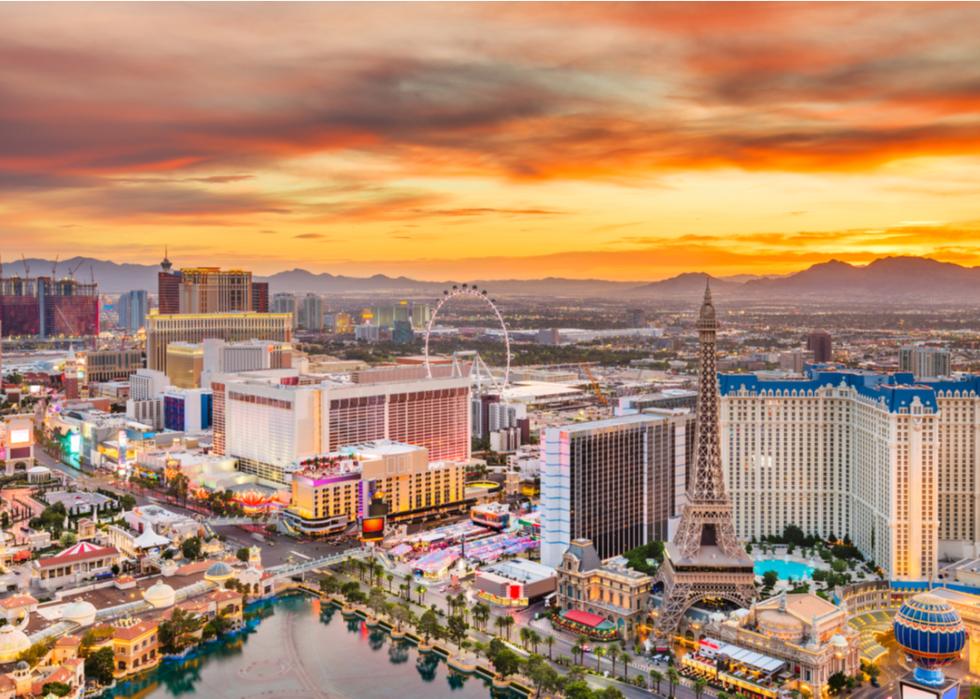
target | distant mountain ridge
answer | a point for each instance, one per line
(885, 279)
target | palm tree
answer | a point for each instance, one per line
(508, 623)
(421, 589)
(699, 686)
(673, 677)
(578, 650)
(656, 677)
(600, 653)
(500, 624)
(525, 635)
(627, 659)
(389, 577)
(403, 588)
(614, 656)
(550, 640)
(534, 638)
(481, 614)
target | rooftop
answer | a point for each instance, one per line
(895, 391)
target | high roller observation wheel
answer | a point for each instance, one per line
(472, 291)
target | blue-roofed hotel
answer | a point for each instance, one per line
(886, 459)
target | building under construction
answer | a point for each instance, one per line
(48, 307)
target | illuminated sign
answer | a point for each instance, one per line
(20, 436)
(372, 528)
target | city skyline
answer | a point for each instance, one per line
(619, 142)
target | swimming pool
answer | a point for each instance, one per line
(786, 570)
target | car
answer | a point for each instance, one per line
(443, 588)
(586, 648)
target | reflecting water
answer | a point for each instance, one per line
(296, 649)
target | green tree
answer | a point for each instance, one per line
(242, 554)
(216, 627)
(99, 665)
(481, 614)
(627, 659)
(176, 634)
(191, 548)
(329, 585)
(505, 662)
(59, 689)
(699, 686)
(429, 625)
(837, 683)
(549, 641)
(673, 678)
(770, 578)
(656, 677)
(37, 652)
(457, 627)
(600, 653)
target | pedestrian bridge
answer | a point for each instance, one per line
(289, 569)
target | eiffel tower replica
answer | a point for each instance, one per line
(705, 559)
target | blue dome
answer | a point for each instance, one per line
(930, 631)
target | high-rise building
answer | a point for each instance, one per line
(185, 362)
(260, 297)
(271, 422)
(616, 482)
(161, 330)
(636, 317)
(822, 345)
(133, 307)
(888, 460)
(331, 491)
(187, 409)
(97, 366)
(795, 360)
(925, 361)
(203, 290)
(402, 333)
(310, 313)
(286, 303)
(222, 357)
(48, 307)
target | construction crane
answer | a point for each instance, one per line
(54, 267)
(594, 384)
(72, 270)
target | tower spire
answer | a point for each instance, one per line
(705, 558)
(166, 264)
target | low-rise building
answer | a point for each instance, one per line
(135, 646)
(614, 597)
(809, 633)
(77, 564)
(514, 583)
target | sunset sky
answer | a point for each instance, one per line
(491, 140)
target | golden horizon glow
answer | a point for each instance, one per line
(526, 140)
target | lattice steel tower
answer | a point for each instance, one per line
(705, 559)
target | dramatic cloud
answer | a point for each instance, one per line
(534, 129)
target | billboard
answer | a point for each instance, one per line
(372, 529)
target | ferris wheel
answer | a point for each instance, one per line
(478, 368)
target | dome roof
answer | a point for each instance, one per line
(160, 595)
(81, 612)
(218, 571)
(22, 665)
(930, 631)
(780, 624)
(838, 641)
(13, 642)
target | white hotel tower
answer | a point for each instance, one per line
(887, 460)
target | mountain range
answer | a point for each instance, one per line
(886, 279)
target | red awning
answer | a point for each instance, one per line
(584, 618)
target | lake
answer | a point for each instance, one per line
(296, 649)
